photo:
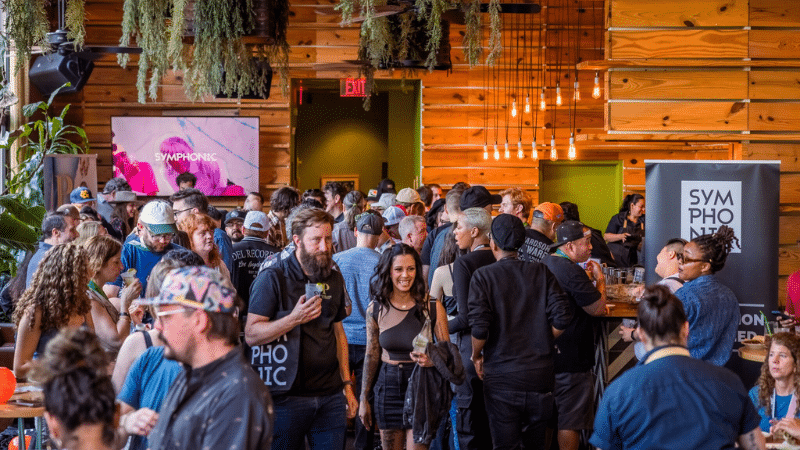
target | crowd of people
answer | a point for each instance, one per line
(413, 312)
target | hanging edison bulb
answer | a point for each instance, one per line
(507, 154)
(485, 151)
(596, 90)
(496, 152)
(553, 153)
(520, 154)
(514, 108)
(542, 102)
(534, 151)
(577, 96)
(527, 104)
(558, 95)
(572, 153)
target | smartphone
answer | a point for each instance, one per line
(782, 315)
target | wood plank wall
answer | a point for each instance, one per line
(453, 104)
(743, 85)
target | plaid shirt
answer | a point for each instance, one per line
(276, 235)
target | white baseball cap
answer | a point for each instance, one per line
(393, 215)
(256, 221)
(158, 217)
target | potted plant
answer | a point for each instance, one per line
(22, 200)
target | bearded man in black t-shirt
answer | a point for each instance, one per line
(313, 405)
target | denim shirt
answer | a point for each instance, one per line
(713, 314)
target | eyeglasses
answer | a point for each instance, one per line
(684, 260)
(160, 314)
(162, 236)
(176, 213)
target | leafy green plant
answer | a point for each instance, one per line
(26, 26)
(21, 203)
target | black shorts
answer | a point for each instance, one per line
(574, 394)
(390, 395)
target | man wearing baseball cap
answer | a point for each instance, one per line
(156, 229)
(574, 388)
(81, 196)
(538, 238)
(357, 266)
(248, 254)
(512, 341)
(218, 401)
(104, 207)
(234, 221)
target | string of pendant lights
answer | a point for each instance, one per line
(527, 66)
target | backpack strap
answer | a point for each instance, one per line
(147, 339)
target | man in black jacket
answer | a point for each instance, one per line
(516, 310)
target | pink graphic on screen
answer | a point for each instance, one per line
(222, 152)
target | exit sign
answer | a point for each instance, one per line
(352, 87)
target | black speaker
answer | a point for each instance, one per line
(50, 72)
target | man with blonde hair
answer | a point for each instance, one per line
(516, 202)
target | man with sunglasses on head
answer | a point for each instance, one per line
(156, 228)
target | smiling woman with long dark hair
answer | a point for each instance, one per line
(396, 315)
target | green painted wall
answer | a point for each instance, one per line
(595, 186)
(335, 136)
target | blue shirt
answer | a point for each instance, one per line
(781, 408)
(357, 266)
(225, 246)
(712, 311)
(33, 264)
(147, 383)
(136, 255)
(674, 402)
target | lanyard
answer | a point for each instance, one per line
(647, 355)
(480, 247)
(93, 286)
(792, 412)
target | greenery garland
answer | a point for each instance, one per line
(73, 19)
(27, 26)
(496, 32)
(472, 33)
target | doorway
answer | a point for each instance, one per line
(595, 186)
(335, 139)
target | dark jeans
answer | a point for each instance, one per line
(472, 423)
(518, 419)
(321, 419)
(364, 439)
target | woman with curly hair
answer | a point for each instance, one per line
(396, 315)
(55, 299)
(712, 307)
(112, 317)
(200, 229)
(79, 400)
(777, 391)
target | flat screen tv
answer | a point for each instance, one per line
(222, 152)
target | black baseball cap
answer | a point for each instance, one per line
(478, 197)
(116, 184)
(508, 232)
(568, 231)
(235, 214)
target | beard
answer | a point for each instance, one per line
(317, 265)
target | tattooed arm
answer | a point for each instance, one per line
(371, 361)
(754, 440)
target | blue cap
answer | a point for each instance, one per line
(81, 195)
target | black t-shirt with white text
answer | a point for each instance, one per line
(536, 246)
(318, 369)
(248, 254)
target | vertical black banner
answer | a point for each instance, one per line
(690, 198)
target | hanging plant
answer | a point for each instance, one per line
(73, 19)
(216, 58)
(495, 32)
(432, 11)
(472, 33)
(27, 26)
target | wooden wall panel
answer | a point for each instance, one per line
(683, 116)
(635, 44)
(718, 84)
(774, 84)
(774, 44)
(774, 13)
(678, 13)
(774, 116)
